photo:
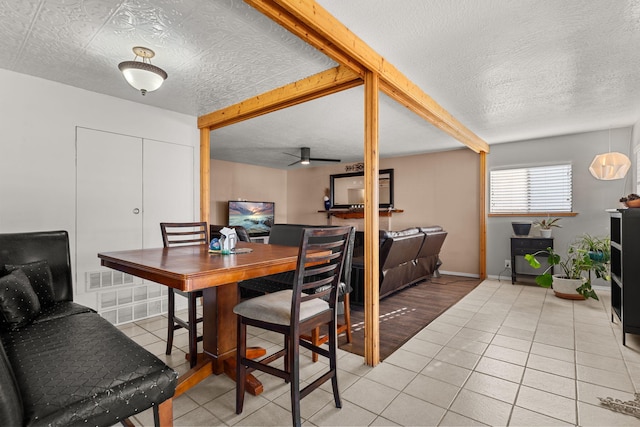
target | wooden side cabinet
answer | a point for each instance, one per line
(523, 245)
(625, 269)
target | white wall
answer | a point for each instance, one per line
(590, 196)
(635, 137)
(37, 146)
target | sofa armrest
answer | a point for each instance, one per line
(11, 411)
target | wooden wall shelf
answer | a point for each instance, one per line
(358, 214)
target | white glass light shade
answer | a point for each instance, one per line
(609, 166)
(142, 76)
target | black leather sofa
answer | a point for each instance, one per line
(290, 235)
(406, 258)
(62, 364)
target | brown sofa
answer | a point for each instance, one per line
(406, 258)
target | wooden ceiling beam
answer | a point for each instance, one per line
(283, 17)
(319, 28)
(325, 83)
(442, 119)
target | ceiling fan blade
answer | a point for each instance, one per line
(313, 159)
(305, 157)
(292, 155)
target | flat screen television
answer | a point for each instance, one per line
(256, 217)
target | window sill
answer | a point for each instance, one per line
(534, 214)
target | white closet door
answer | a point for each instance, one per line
(168, 190)
(109, 202)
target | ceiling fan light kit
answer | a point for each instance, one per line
(305, 155)
(142, 75)
(306, 159)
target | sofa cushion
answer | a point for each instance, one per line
(385, 234)
(431, 229)
(81, 370)
(19, 303)
(39, 274)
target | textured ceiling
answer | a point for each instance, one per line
(507, 70)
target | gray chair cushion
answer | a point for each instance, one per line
(276, 308)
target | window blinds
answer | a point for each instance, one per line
(531, 190)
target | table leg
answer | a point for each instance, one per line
(220, 332)
(219, 340)
(219, 324)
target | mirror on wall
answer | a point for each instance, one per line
(347, 189)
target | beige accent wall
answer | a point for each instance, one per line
(432, 189)
(237, 181)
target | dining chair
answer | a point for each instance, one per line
(311, 303)
(280, 281)
(182, 234)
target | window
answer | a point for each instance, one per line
(531, 190)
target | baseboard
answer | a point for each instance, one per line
(455, 273)
(500, 277)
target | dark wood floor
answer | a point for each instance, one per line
(406, 312)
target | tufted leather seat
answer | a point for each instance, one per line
(80, 369)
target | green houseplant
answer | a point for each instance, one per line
(585, 256)
(546, 225)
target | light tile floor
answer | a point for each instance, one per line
(504, 355)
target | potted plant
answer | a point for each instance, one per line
(588, 254)
(546, 225)
(599, 249)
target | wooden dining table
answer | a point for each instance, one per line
(191, 268)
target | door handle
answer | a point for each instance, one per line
(136, 211)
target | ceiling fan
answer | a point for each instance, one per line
(305, 157)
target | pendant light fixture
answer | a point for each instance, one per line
(610, 166)
(141, 74)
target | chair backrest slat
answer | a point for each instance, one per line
(184, 233)
(319, 268)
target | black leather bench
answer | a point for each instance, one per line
(62, 364)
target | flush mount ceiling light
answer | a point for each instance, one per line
(141, 74)
(610, 166)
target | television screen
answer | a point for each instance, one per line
(256, 217)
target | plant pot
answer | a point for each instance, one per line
(597, 256)
(566, 288)
(521, 228)
(545, 232)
